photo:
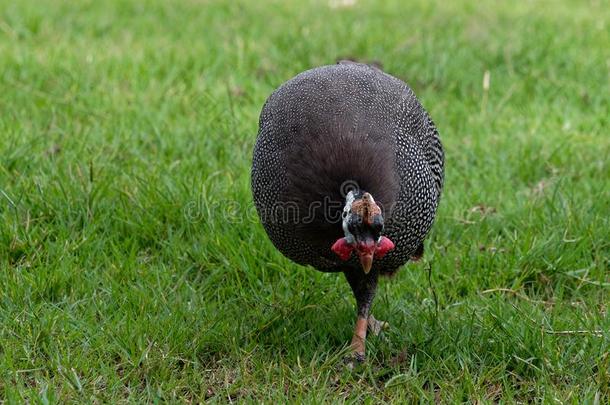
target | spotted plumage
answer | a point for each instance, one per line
(307, 130)
(342, 132)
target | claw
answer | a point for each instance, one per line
(353, 359)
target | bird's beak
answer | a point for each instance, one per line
(366, 251)
(366, 260)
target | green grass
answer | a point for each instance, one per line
(132, 268)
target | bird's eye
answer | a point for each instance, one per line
(351, 227)
(355, 223)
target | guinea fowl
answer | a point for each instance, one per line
(347, 174)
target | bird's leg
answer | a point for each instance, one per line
(359, 339)
(364, 287)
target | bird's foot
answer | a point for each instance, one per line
(375, 326)
(357, 348)
(363, 325)
(352, 360)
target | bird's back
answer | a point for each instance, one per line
(333, 128)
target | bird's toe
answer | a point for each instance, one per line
(375, 326)
(353, 359)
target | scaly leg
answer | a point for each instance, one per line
(364, 287)
(359, 338)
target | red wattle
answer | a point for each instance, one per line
(384, 246)
(342, 249)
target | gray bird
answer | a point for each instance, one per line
(347, 174)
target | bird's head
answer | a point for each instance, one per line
(362, 227)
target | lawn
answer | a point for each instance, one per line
(133, 267)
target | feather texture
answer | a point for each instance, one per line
(333, 128)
